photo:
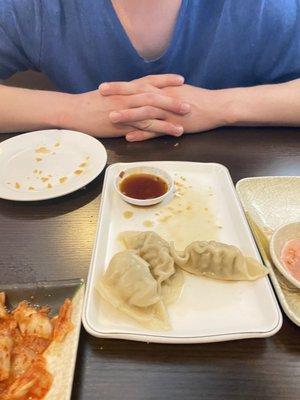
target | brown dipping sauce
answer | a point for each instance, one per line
(143, 186)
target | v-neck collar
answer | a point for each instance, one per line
(124, 38)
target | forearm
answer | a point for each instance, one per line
(277, 104)
(24, 109)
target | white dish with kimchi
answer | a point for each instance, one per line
(38, 341)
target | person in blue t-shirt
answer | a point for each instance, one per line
(140, 68)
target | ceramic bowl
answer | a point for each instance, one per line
(145, 170)
(282, 235)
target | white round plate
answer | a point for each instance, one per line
(47, 164)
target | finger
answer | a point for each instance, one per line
(158, 126)
(164, 80)
(146, 84)
(138, 136)
(126, 88)
(159, 101)
(136, 114)
(149, 105)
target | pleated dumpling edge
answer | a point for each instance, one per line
(218, 261)
(127, 284)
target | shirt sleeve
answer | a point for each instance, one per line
(20, 36)
(278, 41)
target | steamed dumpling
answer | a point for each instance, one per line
(218, 261)
(171, 287)
(156, 251)
(152, 248)
(128, 285)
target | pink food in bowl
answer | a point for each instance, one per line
(290, 257)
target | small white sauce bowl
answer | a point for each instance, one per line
(282, 235)
(145, 170)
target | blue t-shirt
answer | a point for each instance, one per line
(215, 43)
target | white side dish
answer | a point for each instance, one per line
(281, 236)
(46, 164)
(208, 310)
(270, 202)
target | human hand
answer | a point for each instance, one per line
(149, 83)
(151, 116)
(89, 112)
(207, 111)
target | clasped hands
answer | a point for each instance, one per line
(148, 107)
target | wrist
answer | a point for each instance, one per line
(221, 104)
(63, 111)
(256, 105)
(229, 106)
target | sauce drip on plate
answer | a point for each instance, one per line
(143, 186)
(290, 257)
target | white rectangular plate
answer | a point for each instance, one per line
(207, 310)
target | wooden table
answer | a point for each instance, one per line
(53, 240)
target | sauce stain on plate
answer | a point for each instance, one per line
(148, 223)
(42, 150)
(127, 214)
(188, 217)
